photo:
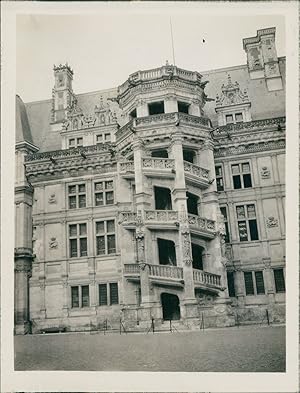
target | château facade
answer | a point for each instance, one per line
(161, 199)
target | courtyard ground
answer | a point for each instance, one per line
(244, 349)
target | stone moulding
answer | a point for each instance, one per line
(250, 125)
(250, 148)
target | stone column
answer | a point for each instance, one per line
(141, 108)
(23, 261)
(269, 280)
(239, 285)
(170, 104)
(138, 153)
(179, 192)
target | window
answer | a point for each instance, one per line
(104, 193)
(188, 155)
(254, 283)
(249, 283)
(219, 178)
(241, 175)
(166, 252)
(247, 225)
(234, 118)
(108, 292)
(77, 196)
(156, 108)
(192, 203)
(224, 213)
(230, 281)
(78, 240)
(279, 280)
(229, 119)
(80, 296)
(103, 138)
(183, 107)
(163, 199)
(160, 153)
(238, 117)
(105, 237)
(197, 252)
(75, 142)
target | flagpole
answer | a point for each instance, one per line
(172, 40)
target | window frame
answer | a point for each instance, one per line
(104, 192)
(283, 276)
(156, 102)
(108, 293)
(80, 296)
(76, 144)
(103, 137)
(77, 194)
(247, 219)
(220, 177)
(241, 174)
(105, 235)
(254, 283)
(78, 237)
(234, 117)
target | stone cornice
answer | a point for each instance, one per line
(250, 147)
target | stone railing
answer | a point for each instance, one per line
(249, 125)
(173, 117)
(132, 268)
(202, 223)
(127, 166)
(166, 271)
(161, 215)
(206, 278)
(127, 218)
(196, 170)
(158, 163)
(99, 148)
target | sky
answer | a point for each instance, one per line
(104, 48)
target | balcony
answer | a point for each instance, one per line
(127, 169)
(160, 274)
(196, 175)
(161, 219)
(205, 280)
(164, 167)
(202, 226)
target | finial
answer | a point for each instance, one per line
(167, 62)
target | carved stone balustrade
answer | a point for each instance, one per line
(127, 169)
(128, 219)
(207, 280)
(202, 226)
(164, 167)
(157, 219)
(160, 274)
(196, 175)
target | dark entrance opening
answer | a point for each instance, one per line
(183, 107)
(170, 307)
(188, 155)
(192, 203)
(155, 108)
(197, 256)
(166, 252)
(163, 199)
(160, 153)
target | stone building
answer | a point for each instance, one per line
(161, 199)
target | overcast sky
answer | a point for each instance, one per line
(103, 49)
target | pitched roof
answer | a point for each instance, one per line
(23, 132)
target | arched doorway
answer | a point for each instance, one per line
(170, 306)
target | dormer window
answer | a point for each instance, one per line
(75, 142)
(229, 119)
(234, 118)
(183, 107)
(156, 108)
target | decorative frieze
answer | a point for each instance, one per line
(202, 224)
(158, 163)
(161, 215)
(251, 125)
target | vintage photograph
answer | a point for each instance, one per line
(155, 206)
(150, 191)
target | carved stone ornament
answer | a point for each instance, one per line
(267, 263)
(231, 94)
(53, 244)
(52, 199)
(265, 172)
(272, 222)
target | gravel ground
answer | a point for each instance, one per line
(244, 349)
